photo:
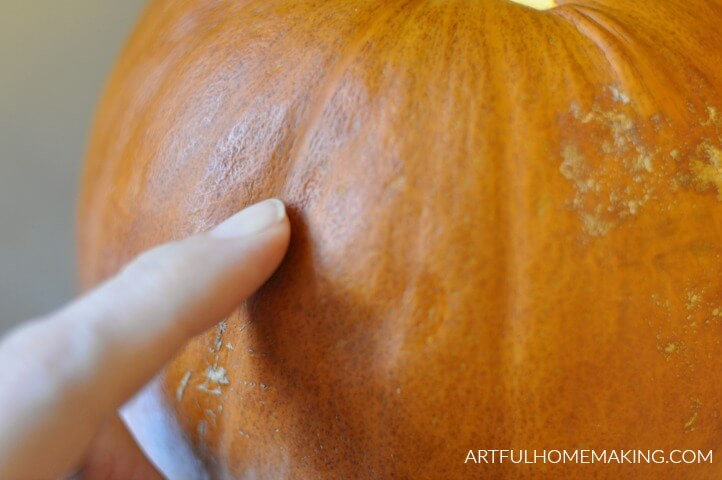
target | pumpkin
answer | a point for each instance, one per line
(506, 229)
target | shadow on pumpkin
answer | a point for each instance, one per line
(328, 403)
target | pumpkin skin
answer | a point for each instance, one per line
(506, 228)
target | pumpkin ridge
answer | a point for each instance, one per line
(605, 40)
(328, 87)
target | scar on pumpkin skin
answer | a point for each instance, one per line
(182, 385)
(220, 330)
(210, 414)
(212, 391)
(201, 429)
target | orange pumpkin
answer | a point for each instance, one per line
(506, 229)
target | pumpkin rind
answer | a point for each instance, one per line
(505, 228)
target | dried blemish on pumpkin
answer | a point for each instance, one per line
(262, 386)
(397, 184)
(182, 386)
(690, 424)
(717, 312)
(214, 375)
(594, 225)
(693, 300)
(615, 177)
(707, 171)
(647, 163)
(711, 117)
(217, 375)
(661, 304)
(275, 68)
(618, 95)
(633, 207)
(572, 167)
(669, 348)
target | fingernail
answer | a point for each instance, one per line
(253, 219)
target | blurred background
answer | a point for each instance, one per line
(54, 59)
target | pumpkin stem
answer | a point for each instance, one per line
(537, 4)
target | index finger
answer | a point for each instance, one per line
(78, 365)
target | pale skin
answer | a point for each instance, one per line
(64, 376)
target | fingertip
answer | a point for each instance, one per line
(252, 220)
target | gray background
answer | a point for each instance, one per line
(54, 59)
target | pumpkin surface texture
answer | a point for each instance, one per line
(506, 230)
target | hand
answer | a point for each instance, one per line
(63, 377)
